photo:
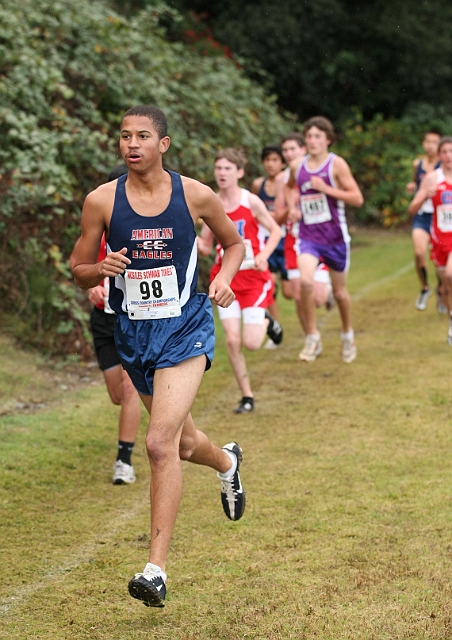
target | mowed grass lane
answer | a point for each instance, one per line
(348, 472)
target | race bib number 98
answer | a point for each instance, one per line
(315, 208)
(444, 217)
(152, 293)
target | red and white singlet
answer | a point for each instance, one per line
(252, 288)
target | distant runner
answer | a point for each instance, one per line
(422, 219)
(437, 185)
(266, 188)
(325, 184)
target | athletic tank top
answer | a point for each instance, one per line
(156, 241)
(249, 229)
(441, 229)
(427, 206)
(323, 217)
(269, 201)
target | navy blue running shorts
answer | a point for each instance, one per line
(422, 221)
(147, 345)
(277, 261)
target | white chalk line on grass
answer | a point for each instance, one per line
(85, 552)
(378, 283)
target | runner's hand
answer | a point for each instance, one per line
(97, 294)
(319, 184)
(294, 214)
(221, 293)
(261, 262)
(115, 263)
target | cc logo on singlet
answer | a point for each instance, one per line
(306, 186)
(156, 245)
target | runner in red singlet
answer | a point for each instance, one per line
(253, 284)
(437, 185)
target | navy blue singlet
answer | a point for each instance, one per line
(420, 172)
(269, 201)
(155, 241)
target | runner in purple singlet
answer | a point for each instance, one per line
(326, 185)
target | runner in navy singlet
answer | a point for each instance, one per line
(164, 327)
(422, 219)
(266, 188)
(325, 185)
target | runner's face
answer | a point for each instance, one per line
(140, 144)
(291, 150)
(445, 156)
(272, 164)
(430, 144)
(316, 141)
(226, 173)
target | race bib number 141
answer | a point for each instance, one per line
(152, 293)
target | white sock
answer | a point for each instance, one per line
(348, 336)
(228, 474)
(153, 568)
(316, 336)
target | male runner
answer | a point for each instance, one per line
(253, 284)
(325, 184)
(422, 219)
(437, 185)
(164, 328)
(293, 148)
(265, 187)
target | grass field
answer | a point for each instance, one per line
(348, 470)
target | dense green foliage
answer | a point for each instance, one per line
(381, 56)
(67, 72)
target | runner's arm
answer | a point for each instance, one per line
(290, 194)
(264, 217)
(411, 186)
(257, 183)
(89, 273)
(426, 190)
(281, 208)
(348, 190)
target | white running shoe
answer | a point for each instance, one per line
(123, 473)
(449, 333)
(441, 307)
(270, 345)
(421, 301)
(233, 496)
(312, 348)
(349, 350)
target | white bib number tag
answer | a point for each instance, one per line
(152, 293)
(315, 208)
(444, 217)
(295, 229)
(248, 261)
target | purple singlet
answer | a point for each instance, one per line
(323, 218)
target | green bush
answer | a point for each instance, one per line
(67, 73)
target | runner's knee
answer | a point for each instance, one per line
(187, 446)
(160, 448)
